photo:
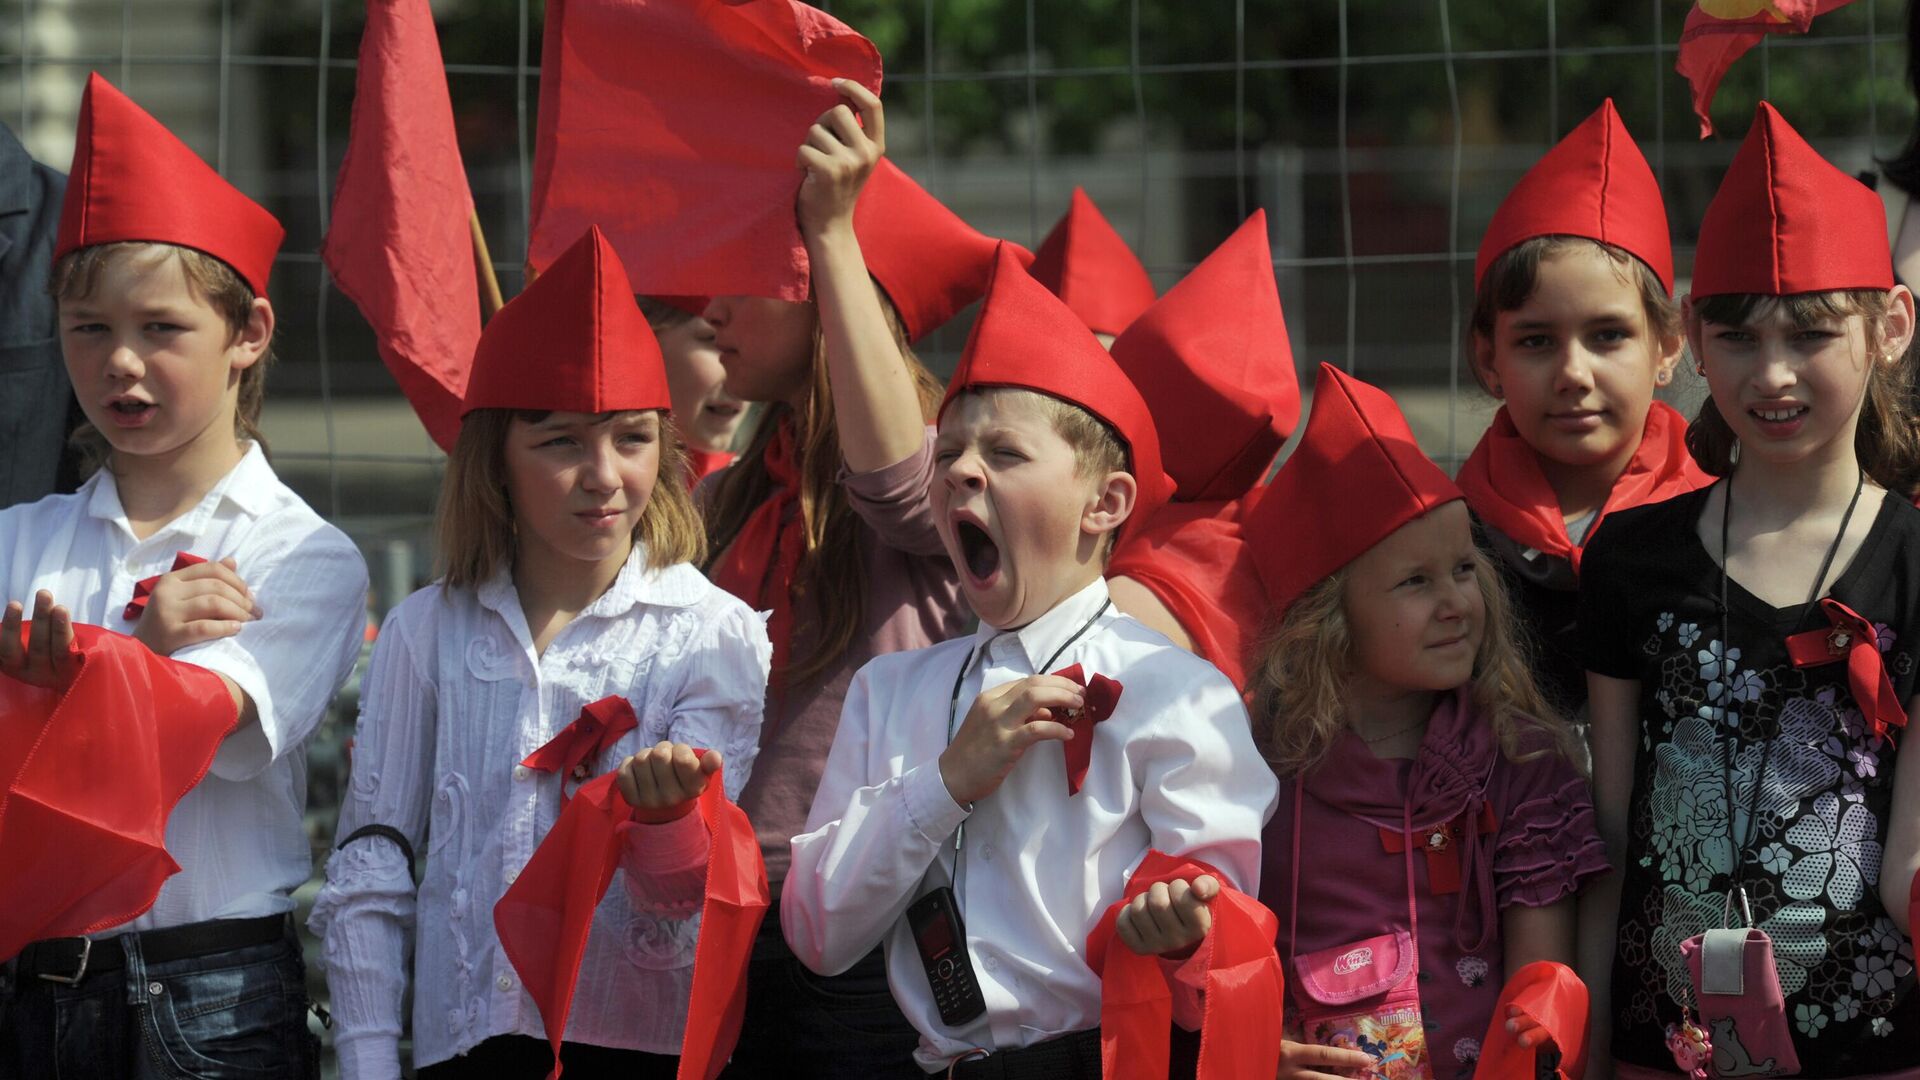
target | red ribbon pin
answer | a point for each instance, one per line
(1853, 638)
(143, 589)
(597, 728)
(1103, 694)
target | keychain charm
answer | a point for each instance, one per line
(1691, 1046)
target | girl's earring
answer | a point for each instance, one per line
(1498, 391)
(1664, 377)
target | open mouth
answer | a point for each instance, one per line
(981, 554)
(1780, 416)
(128, 412)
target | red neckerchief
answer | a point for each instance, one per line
(592, 733)
(1855, 639)
(1506, 488)
(546, 914)
(1102, 696)
(704, 463)
(760, 566)
(143, 589)
(1239, 1030)
(1193, 557)
(90, 774)
(1552, 994)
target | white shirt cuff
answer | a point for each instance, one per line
(930, 806)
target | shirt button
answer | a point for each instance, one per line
(504, 982)
(986, 852)
(993, 963)
(512, 876)
(521, 772)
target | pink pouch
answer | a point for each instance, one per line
(1366, 996)
(1737, 992)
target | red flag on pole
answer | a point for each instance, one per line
(1718, 32)
(400, 244)
(686, 160)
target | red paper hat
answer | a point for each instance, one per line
(1595, 183)
(1212, 360)
(1785, 221)
(1357, 475)
(1028, 338)
(931, 263)
(1086, 264)
(132, 179)
(572, 341)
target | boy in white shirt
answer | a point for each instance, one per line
(968, 814)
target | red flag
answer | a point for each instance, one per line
(1240, 1031)
(1718, 32)
(686, 160)
(88, 777)
(1552, 994)
(400, 245)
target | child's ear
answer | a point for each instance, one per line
(1898, 327)
(1112, 504)
(1483, 364)
(251, 341)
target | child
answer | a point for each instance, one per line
(705, 415)
(1747, 741)
(1574, 328)
(160, 273)
(1045, 451)
(826, 520)
(1084, 262)
(568, 545)
(1213, 359)
(1392, 699)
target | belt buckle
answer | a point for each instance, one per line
(80, 970)
(975, 1054)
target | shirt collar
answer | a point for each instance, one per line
(1044, 636)
(249, 486)
(637, 583)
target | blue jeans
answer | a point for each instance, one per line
(239, 1014)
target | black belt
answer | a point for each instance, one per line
(69, 960)
(1068, 1057)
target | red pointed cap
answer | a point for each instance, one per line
(1084, 261)
(1786, 221)
(1357, 475)
(1212, 360)
(132, 179)
(1027, 338)
(1594, 183)
(931, 263)
(573, 341)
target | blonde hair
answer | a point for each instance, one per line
(76, 275)
(1511, 278)
(1300, 685)
(474, 528)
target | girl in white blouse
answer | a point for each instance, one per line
(568, 578)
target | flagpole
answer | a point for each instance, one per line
(490, 301)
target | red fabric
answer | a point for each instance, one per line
(143, 589)
(1786, 221)
(1102, 697)
(760, 566)
(1240, 1031)
(1506, 487)
(132, 179)
(1213, 362)
(1853, 637)
(704, 463)
(1026, 337)
(599, 725)
(1594, 183)
(546, 914)
(687, 159)
(572, 341)
(1084, 261)
(1357, 475)
(1718, 32)
(1552, 994)
(929, 261)
(90, 775)
(399, 243)
(1913, 908)
(1193, 557)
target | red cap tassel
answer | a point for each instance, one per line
(1552, 994)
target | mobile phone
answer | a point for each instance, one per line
(942, 940)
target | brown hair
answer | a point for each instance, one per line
(831, 569)
(1299, 687)
(1886, 439)
(661, 315)
(1511, 278)
(77, 274)
(474, 528)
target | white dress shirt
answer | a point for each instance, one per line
(454, 699)
(1174, 768)
(237, 835)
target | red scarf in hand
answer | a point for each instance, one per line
(90, 775)
(1240, 1029)
(143, 589)
(1552, 994)
(760, 565)
(1505, 486)
(1102, 696)
(1852, 637)
(544, 918)
(592, 733)
(1193, 557)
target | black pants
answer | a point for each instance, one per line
(514, 1057)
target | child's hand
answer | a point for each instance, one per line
(1528, 1032)
(666, 777)
(839, 155)
(46, 658)
(1170, 918)
(1003, 723)
(198, 603)
(1311, 1061)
